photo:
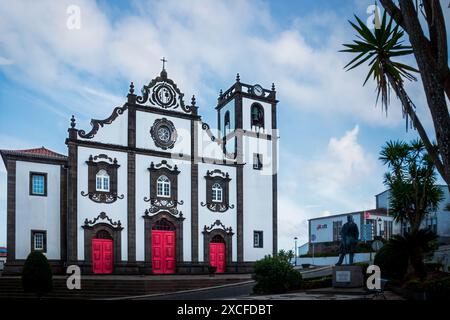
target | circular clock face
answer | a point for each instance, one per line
(257, 90)
(164, 133)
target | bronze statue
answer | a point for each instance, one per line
(349, 239)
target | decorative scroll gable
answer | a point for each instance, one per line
(164, 93)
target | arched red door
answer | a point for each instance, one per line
(102, 253)
(217, 256)
(163, 247)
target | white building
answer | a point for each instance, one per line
(151, 188)
(438, 221)
(324, 232)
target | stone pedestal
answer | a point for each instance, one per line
(347, 276)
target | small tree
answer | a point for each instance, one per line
(414, 195)
(411, 180)
(37, 274)
(275, 274)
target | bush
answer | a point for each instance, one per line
(393, 263)
(274, 274)
(37, 274)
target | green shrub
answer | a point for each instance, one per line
(392, 262)
(37, 274)
(274, 274)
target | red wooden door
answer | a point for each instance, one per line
(102, 256)
(163, 251)
(217, 256)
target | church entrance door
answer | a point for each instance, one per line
(163, 247)
(102, 256)
(217, 254)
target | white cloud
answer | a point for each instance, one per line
(334, 178)
(202, 40)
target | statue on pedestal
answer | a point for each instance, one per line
(349, 239)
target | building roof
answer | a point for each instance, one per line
(37, 153)
(379, 211)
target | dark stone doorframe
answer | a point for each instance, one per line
(148, 226)
(90, 233)
(208, 235)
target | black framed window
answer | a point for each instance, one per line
(257, 161)
(257, 239)
(39, 240)
(38, 184)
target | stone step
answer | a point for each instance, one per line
(109, 288)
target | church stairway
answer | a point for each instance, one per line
(112, 287)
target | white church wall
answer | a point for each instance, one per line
(88, 209)
(143, 190)
(114, 133)
(207, 217)
(37, 212)
(258, 209)
(208, 148)
(144, 122)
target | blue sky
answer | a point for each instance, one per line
(330, 130)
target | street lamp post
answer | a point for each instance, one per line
(295, 253)
(379, 226)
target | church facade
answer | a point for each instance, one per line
(152, 188)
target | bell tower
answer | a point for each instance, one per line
(247, 125)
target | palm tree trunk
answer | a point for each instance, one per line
(407, 105)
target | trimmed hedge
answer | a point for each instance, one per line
(37, 275)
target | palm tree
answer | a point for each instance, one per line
(379, 48)
(414, 194)
(412, 181)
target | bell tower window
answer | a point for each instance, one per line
(257, 115)
(227, 122)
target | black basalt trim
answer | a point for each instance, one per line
(11, 211)
(72, 236)
(131, 206)
(239, 182)
(274, 180)
(96, 124)
(63, 213)
(194, 191)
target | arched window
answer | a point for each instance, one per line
(102, 181)
(217, 192)
(163, 187)
(227, 122)
(103, 234)
(257, 115)
(217, 239)
(163, 224)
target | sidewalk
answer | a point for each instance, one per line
(319, 296)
